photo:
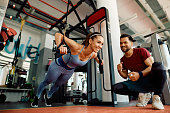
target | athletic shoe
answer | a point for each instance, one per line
(143, 99)
(35, 102)
(48, 101)
(156, 102)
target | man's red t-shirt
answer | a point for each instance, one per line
(136, 61)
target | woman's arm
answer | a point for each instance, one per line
(96, 58)
(74, 46)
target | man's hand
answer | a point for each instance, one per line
(134, 76)
(120, 67)
(63, 50)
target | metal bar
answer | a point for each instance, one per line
(4, 60)
(36, 10)
(78, 17)
(37, 17)
(30, 22)
(24, 12)
(92, 4)
(70, 11)
(67, 2)
(111, 64)
(52, 6)
(3, 63)
(41, 11)
(103, 73)
(21, 8)
(37, 25)
(77, 25)
(95, 80)
(156, 32)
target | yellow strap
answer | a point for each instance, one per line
(12, 72)
(22, 24)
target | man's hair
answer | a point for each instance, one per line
(126, 35)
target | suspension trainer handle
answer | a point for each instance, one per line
(63, 42)
(100, 66)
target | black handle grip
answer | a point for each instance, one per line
(100, 66)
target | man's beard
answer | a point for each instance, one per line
(126, 50)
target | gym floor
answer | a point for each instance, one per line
(24, 107)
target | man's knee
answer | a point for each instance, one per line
(117, 87)
(158, 70)
(157, 66)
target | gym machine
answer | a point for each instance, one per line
(160, 53)
(99, 21)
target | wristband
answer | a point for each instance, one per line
(140, 73)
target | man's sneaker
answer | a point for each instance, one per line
(35, 102)
(48, 101)
(156, 102)
(143, 99)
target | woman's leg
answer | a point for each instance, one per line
(53, 73)
(65, 76)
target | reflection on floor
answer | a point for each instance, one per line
(89, 109)
(69, 107)
(23, 105)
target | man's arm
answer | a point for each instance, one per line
(135, 75)
(123, 72)
(149, 61)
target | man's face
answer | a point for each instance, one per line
(125, 44)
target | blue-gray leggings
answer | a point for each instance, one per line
(56, 75)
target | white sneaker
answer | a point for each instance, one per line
(156, 102)
(143, 99)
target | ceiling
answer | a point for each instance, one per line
(142, 17)
(137, 17)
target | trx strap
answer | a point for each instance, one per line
(63, 41)
(15, 60)
(19, 38)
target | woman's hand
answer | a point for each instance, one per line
(63, 50)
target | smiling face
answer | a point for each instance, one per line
(125, 44)
(96, 43)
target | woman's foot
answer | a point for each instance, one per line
(35, 102)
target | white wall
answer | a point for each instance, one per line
(27, 32)
(3, 7)
(3, 74)
(115, 38)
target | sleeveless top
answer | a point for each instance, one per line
(69, 61)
